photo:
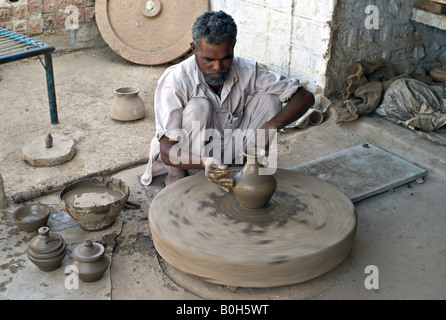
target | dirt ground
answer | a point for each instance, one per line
(85, 83)
(84, 93)
(395, 231)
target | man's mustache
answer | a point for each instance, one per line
(218, 72)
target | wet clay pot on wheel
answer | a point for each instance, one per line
(252, 189)
(127, 105)
(47, 250)
(90, 260)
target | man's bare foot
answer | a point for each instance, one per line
(175, 174)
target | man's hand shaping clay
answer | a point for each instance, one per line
(218, 173)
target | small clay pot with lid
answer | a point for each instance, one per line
(90, 260)
(47, 250)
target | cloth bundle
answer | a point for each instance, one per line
(402, 99)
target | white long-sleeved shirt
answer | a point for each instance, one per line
(184, 81)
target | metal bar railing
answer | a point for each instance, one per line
(29, 47)
(14, 46)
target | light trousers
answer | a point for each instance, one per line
(223, 135)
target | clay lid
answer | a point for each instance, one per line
(45, 242)
(88, 251)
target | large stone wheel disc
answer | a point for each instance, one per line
(307, 229)
(148, 32)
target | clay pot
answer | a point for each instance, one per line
(127, 105)
(90, 260)
(315, 118)
(47, 250)
(31, 217)
(253, 190)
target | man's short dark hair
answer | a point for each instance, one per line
(215, 26)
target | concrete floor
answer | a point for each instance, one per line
(400, 233)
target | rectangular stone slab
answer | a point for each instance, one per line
(362, 171)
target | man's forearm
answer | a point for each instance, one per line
(173, 156)
(297, 106)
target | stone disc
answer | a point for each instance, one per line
(38, 155)
(148, 32)
(307, 229)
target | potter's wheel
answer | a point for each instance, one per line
(306, 230)
(148, 32)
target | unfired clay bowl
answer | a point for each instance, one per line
(31, 217)
(95, 203)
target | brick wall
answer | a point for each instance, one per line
(31, 17)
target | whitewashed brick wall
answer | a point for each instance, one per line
(291, 37)
(317, 40)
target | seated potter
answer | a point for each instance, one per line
(208, 107)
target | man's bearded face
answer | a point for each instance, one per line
(214, 60)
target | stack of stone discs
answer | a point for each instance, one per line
(47, 250)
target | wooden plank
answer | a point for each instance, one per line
(439, 1)
(431, 6)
